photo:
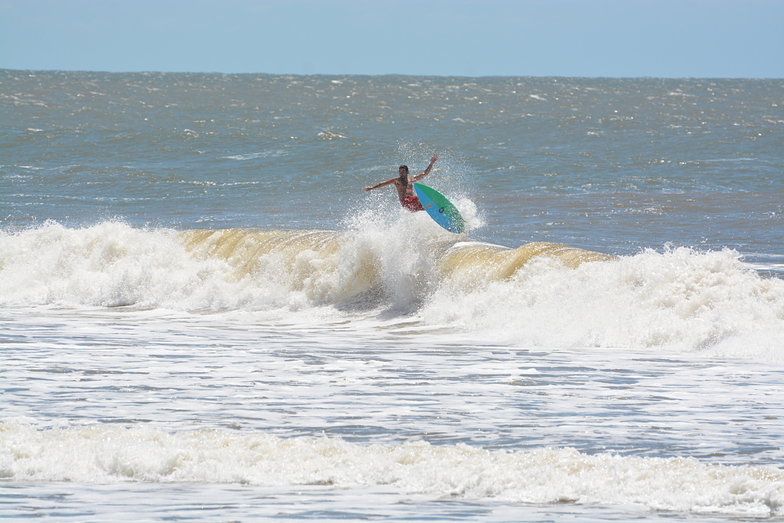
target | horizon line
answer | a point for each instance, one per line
(155, 71)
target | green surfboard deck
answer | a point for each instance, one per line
(438, 206)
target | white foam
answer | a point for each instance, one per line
(110, 264)
(678, 299)
(108, 454)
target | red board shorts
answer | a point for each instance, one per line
(413, 204)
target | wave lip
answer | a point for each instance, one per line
(494, 262)
(98, 454)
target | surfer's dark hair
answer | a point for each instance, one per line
(403, 167)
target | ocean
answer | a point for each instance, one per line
(203, 315)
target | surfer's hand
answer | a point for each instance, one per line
(434, 158)
(367, 188)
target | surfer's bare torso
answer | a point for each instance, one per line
(405, 187)
(405, 183)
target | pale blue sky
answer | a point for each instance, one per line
(616, 38)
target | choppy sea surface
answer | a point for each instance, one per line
(204, 317)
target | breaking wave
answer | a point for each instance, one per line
(540, 294)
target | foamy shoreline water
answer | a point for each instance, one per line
(107, 455)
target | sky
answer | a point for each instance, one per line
(588, 38)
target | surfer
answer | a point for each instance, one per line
(405, 186)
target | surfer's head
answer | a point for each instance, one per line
(403, 170)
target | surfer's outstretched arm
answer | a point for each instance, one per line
(427, 171)
(382, 184)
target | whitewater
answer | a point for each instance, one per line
(205, 317)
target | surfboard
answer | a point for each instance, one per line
(443, 212)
